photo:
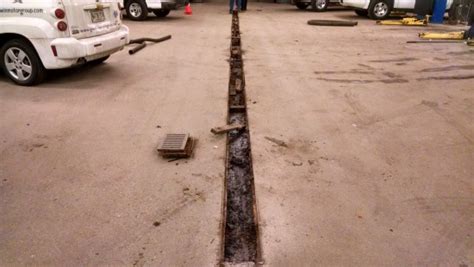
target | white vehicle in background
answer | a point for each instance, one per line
(381, 9)
(36, 35)
(139, 9)
(316, 5)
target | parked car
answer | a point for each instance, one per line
(381, 9)
(316, 5)
(139, 9)
(54, 34)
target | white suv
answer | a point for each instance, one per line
(316, 5)
(52, 34)
(380, 9)
(138, 9)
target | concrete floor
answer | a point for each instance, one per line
(378, 170)
(81, 181)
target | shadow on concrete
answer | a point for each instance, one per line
(292, 8)
(3, 77)
(354, 16)
(151, 17)
(87, 71)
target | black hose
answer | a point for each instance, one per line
(137, 48)
(346, 23)
(141, 40)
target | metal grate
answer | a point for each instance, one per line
(174, 142)
(177, 146)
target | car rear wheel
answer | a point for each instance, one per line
(319, 5)
(302, 6)
(379, 9)
(21, 63)
(136, 10)
(361, 12)
(161, 13)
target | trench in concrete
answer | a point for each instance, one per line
(240, 227)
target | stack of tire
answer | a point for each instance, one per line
(462, 11)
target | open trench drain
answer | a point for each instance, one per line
(240, 217)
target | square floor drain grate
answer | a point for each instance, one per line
(176, 146)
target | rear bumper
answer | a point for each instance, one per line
(71, 51)
(170, 5)
(72, 48)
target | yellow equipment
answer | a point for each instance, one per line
(405, 22)
(443, 35)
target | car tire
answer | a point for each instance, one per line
(361, 12)
(319, 5)
(21, 63)
(379, 9)
(136, 10)
(302, 6)
(161, 13)
(98, 61)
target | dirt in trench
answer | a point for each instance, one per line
(240, 243)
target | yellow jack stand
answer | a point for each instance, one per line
(442, 35)
(405, 22)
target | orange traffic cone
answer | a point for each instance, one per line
(188, 10)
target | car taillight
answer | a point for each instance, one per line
(59, 13)
(62, 26)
